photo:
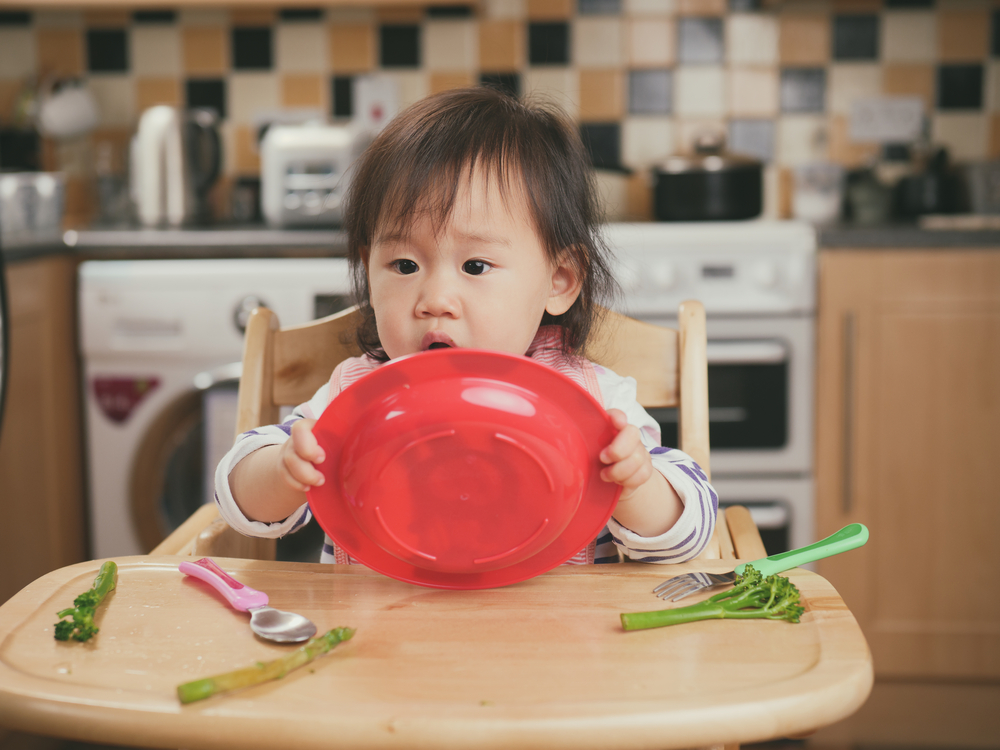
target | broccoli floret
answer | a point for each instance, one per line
(81, 627)
(751, 597)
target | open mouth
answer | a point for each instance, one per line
(439, 345)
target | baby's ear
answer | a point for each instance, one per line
(566, 285)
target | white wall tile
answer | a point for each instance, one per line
(753, 92)
(156, 50)
(451, 45)
(909, 36)
(850, 81)
(612, 192)
(688, 132)
(597, 42)
(651, 42)
(508, 9)
(561, 86)
(115, 97)
(802, 139)
(699, 90)
(17, 53)
(71, 19)
(649, 7)
(993, 86)
(350, 15)
(251, 95)
(413, 85)
(300, 47)
(203, 16)
(965, 135)
(646, 140)
(751, 38)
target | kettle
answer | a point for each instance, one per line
(176, 158)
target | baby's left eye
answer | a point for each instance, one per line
(475, 267)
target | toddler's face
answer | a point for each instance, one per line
(483, 280)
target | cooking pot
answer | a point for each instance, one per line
(709, 184)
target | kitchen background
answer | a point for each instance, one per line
(642, 77)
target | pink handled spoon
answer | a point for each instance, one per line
(265, 621)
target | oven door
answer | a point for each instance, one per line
(782, 508)
(759, 394)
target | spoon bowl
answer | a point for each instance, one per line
(267, 622)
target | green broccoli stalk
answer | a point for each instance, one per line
(263, 671)
(752, 596)
(81, 627)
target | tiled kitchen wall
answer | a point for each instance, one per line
(642, 77)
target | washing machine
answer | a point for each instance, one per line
(161, 344)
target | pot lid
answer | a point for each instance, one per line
(708, 155)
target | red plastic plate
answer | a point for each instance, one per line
(463, 469)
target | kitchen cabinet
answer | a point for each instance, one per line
(41, 467)
(908, 432)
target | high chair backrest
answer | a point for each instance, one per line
(286, 366)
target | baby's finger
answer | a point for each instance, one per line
(625, 443)
(301, 474)
(629, 472)
(305, 443)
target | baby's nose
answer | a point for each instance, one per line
(438, 298)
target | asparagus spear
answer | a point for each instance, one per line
(81, 627)
(263, 671)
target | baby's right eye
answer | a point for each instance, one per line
(405, 266)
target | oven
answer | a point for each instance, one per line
(757, 283)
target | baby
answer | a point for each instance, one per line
(472, 221)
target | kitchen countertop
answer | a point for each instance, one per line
(258, 241)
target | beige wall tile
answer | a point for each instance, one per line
(849, 81)
(649, 7)
(246, 159)
(699, 91)
(205, 50)
(18, 53)
(503, 9)
(10, 89)
(963, 134)
(994, 144)
(561, 86)
(597, 42)
(60, 51)
(247, 15)
(602, 95)
(843, 150)
(156, 51)
(413, 85)
(804, 38)
(501, 46)
(909, 36)
(352, 48)
(772, 192)
(152, 91)
(300, 48)
(451, 45)
(802, 139)
(550, 10)
(454, 80)
(58, 19)
(251, 94)
(752, 38)
(913, 79)
(612, 192)
(647, 140)
(701, 7)
(306, 90)
(753, 92)
(111, 148)
(106, 18)
(203, 16)
(651, 42)
(399, 14)
(115, 96)
(856, 6)
(639, 197)
(350, 15)
(993, 86)
(963, 34)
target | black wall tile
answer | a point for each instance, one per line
(598, 7)
(700, 40)
(548, 43)
(400, 45)
(209, 93)
(252, 48)
(744, 5)
(803, 90)
(154, 16)
(20, 149)
(107, 51)
(509, 82)
(301, 14)
(603, 141)
(449, 11)
(15, 18)
(995, 34)
(342, 96)
(909, 3)
(960, 87)
(855, 37)
(650, 92)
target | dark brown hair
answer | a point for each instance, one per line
(417, 163)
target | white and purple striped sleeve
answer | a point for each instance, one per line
(689, 536)
(247, 443)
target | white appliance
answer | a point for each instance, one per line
(161, 342)
(757, 281)
(304, 172)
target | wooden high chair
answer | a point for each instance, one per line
(286, 366)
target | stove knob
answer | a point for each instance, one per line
(766, 275)
(664, 275)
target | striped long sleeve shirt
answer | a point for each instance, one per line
(684, 541)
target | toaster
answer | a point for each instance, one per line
(304, 173)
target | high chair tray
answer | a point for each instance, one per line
(543, 663)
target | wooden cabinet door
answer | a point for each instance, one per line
(908, 443)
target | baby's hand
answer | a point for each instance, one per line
(298, 455)
(628, 460)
